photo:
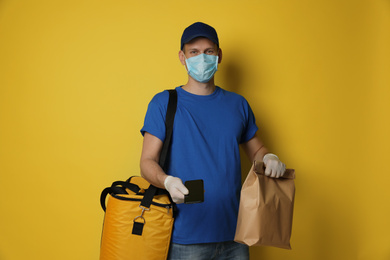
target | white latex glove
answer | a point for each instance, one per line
(273, 166)
(176, 189)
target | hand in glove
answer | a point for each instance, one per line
(273, 166)
(176, 189)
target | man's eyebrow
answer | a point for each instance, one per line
(196, 49)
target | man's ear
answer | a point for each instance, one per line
(182, 57)
(219, 55)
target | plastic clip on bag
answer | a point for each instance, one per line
(139, 217)
(266, 209)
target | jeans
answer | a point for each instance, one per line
(210, 251)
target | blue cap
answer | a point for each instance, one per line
(199, 29)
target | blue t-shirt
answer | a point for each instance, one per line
(207, 132)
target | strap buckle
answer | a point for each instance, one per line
(142, 214)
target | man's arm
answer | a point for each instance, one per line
(152, 172)
(150, 168)
(256, 151)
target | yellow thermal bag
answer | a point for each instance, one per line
(132, 231)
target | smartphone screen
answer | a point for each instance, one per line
(196, 191)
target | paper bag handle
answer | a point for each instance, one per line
(259, 167)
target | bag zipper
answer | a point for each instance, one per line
(167, 206)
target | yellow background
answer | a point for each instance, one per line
(76, 78)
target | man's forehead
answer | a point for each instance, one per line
(200, 42)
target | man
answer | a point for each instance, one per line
(209, 126)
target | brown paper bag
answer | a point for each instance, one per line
(266, 209)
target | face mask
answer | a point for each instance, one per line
(202, 67)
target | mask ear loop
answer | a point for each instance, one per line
(185, 59)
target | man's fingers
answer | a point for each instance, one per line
(273, 173)
(283, 170)
(176, 189)
(183, 189)
(275, 168)
(177, 196)
(267, 171)
(270, 168)
(178, 193)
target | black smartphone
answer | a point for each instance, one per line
(196, 191)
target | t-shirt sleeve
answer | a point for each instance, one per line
(154, 122)
(250, 127)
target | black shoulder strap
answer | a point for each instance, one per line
(170, 116)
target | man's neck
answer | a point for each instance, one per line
(198, 88)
